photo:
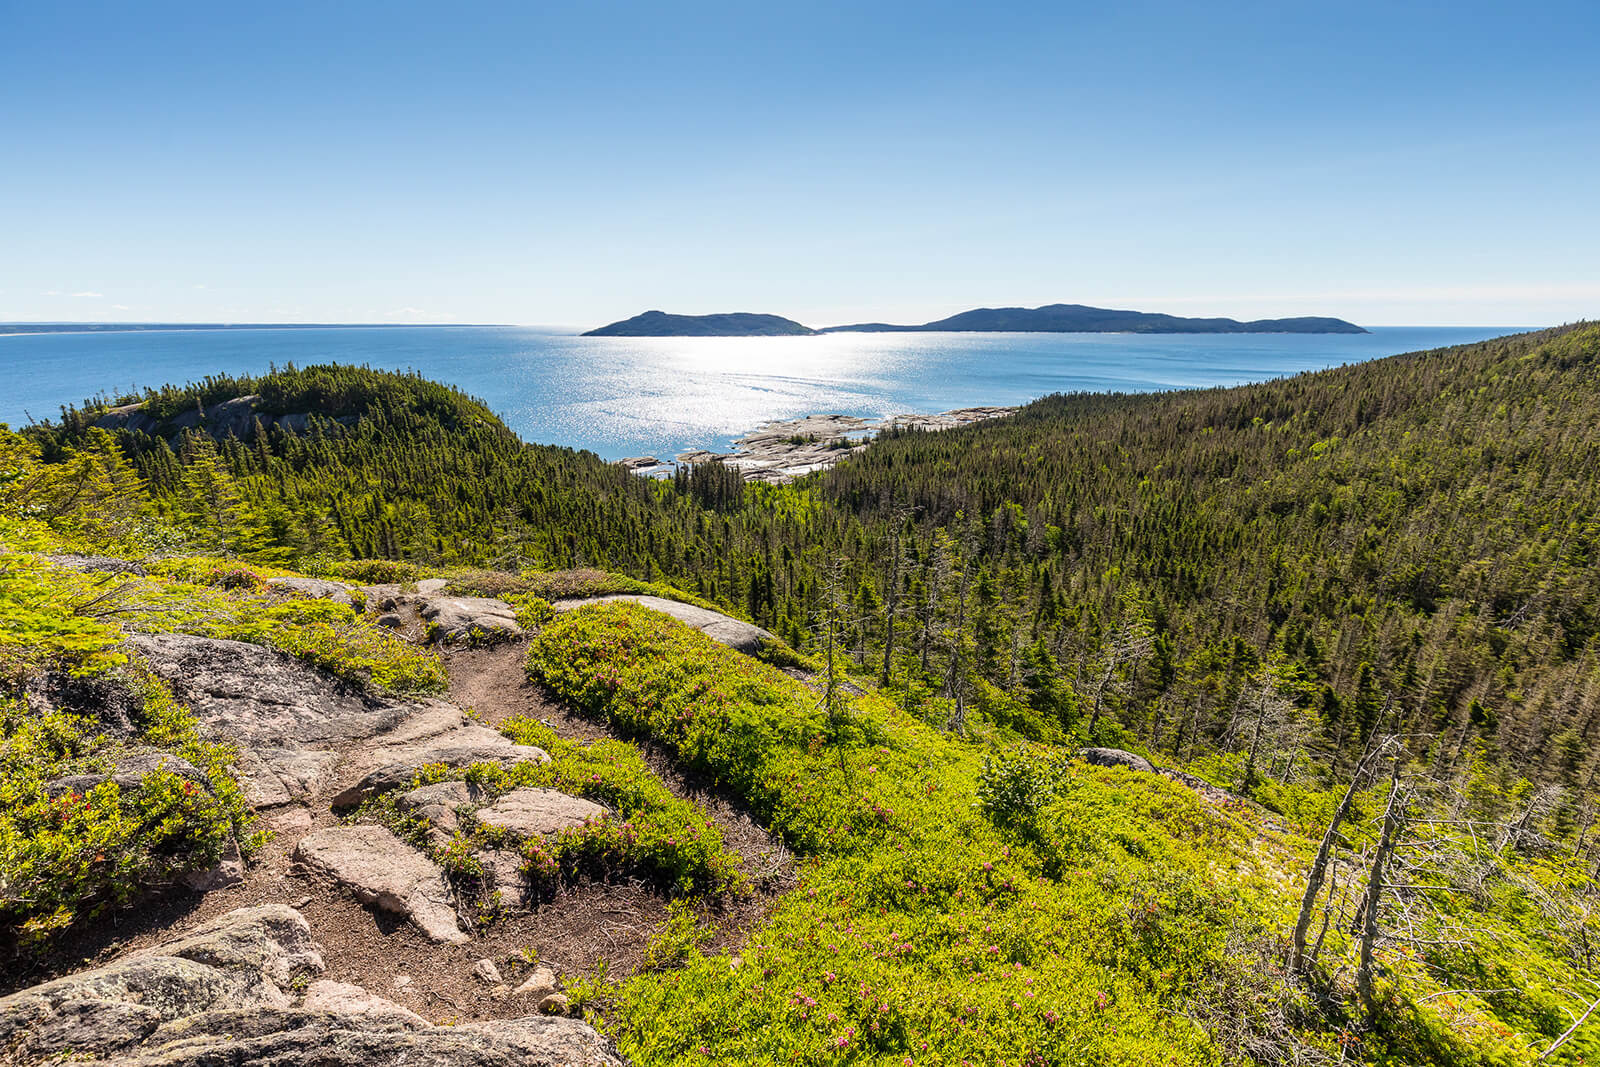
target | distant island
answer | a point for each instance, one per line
(1052, 318)
(732, 324)
(1078, 318)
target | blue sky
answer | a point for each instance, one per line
(1390, 163)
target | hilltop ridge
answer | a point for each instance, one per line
(1080, 318)
(1050, 318)
(730, 324)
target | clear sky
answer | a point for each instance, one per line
(1390, 163)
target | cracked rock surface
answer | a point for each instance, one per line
(384, 872)
(224, 994)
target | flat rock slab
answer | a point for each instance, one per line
(286, 716)
(319, 588)
(384, 872)
(394, 759)
(539, 812)
(724, 629)
(129, 768)
(465, 618)
(341, 998)
(221, 995)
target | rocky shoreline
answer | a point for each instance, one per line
(787, 449)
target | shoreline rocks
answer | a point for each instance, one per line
(787, 449)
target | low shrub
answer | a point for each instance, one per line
(66, 855)
(920, 930)
(650, 833)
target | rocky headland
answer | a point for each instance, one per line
(782, 451)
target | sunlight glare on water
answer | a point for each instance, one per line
(621, 396)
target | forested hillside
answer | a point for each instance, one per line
(1360, 602)
(1420, 528)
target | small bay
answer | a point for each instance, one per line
(662, 395)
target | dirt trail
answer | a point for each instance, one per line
(573, 932)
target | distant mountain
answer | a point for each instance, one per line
(1077, 318)
(732, 324)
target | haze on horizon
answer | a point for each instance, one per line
(575, 164)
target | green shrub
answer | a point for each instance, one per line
(650, 833)
(1014, 785)
(501, 585)
(919, 930)
(46, 615)
(64, 858)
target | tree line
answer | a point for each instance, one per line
(1252, 573)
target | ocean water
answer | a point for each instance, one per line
(660, 396)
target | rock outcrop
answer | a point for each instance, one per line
(539, 812)
(288, 718)
(1116, 757)
(98, 564)
(224, 995)
(129, 768)
(724, 629)
(384, 872)
(236, 417)
(437, 803)
(319, 588)
(469, 618)
(241, 961)
(441, 734)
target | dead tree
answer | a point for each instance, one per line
(1394, 814)
(1298, 960)
(893, 568)
(1125, 651)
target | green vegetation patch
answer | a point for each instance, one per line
(650, 833)
(67, 852)
(921, 930)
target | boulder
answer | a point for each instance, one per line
(469, 618)
(539, 984)
(504, 870)
(485, 971)
(539, 812)
(219, 996)
(437, 803)
(229, 871)
(384, 872)
(317, 588)
(1116, 757)
(724, 629)
(432, 586)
